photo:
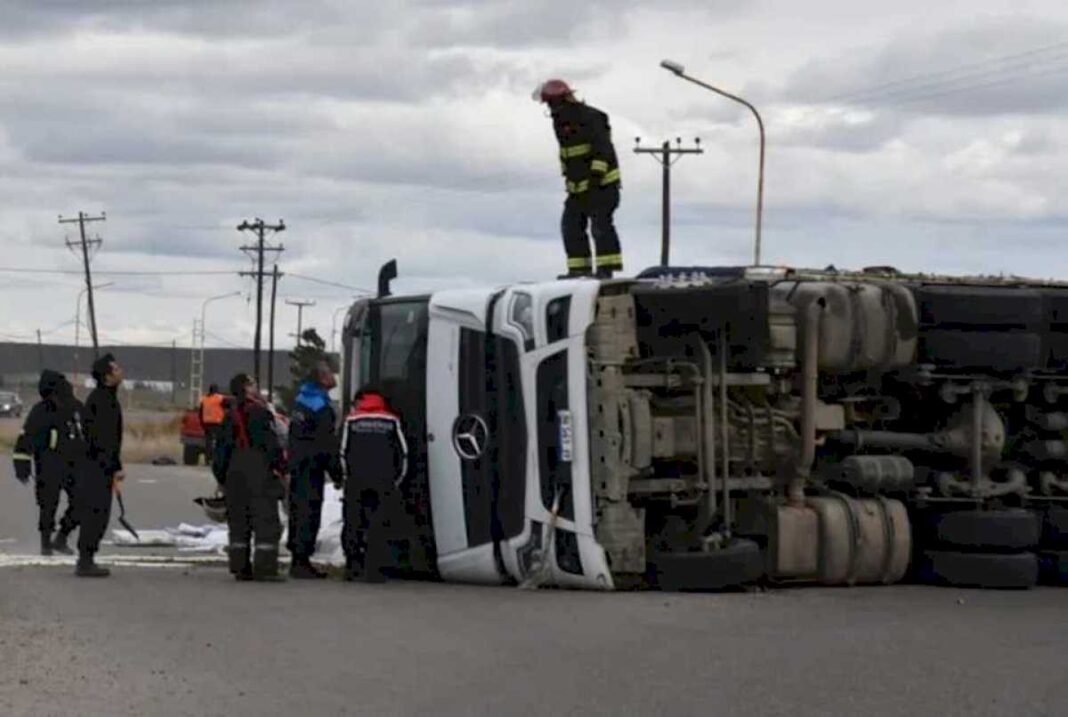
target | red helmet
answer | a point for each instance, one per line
(552, 90)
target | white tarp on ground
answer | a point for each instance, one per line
(213, 537)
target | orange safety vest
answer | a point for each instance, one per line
(212, 409)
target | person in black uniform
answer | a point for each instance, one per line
(313, 452)
(57, 440)
(375, 456)
(248, 464)
(93, 486)
(591, 171)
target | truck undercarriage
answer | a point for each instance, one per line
(829, 427)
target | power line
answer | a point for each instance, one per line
(325, 282)
(27, 270)
(953, 80)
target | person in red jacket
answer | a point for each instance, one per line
(375, 459)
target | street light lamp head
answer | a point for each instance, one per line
(672, 66)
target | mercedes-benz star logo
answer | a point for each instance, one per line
(469, 436)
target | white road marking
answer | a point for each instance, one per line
(147, 481)
(137, 561)
(6, 541)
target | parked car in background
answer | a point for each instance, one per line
(10, 404)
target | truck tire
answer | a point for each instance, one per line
(988, 350)
(979, 570)
(190, 455)
(1055, 528)
(981, 531)
(980, 306)
(739, 563)
(1053, 567)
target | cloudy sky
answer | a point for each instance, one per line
(931, 136)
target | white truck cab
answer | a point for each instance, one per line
(491, 385)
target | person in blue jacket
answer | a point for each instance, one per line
(313, 453)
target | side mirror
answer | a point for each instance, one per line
(386, 274)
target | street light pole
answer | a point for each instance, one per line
(196, 379)
(333, 327)
(680, 71)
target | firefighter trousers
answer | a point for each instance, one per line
(306, 486)
(55, 479)
(594, 209)
(252, 495)
(92, 501)
(366, 531)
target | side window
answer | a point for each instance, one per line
(553, 418)
(557, 316)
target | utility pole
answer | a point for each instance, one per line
(270, 356)
(300, 314)
(174, 372)
(40, 352)
(82, 220)
(257, 252)
(663, 155)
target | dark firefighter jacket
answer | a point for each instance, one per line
(53, 428)
(250, 425)
(373, 447)
(587, 156)
(103, 428)
(313, 443)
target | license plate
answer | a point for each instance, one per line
(566, 434)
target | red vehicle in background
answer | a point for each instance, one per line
(192, 433)
(192, 437)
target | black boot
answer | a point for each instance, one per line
(265, 566)
(60, 544)
(238, 558)
(603, 272)
(46, 544)
(302, 569)
(87, 567)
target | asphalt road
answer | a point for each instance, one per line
(188, 640)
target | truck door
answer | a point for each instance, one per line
(547, 326)
(460, 456)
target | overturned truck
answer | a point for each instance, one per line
(702, 428)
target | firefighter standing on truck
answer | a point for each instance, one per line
(212, 412)
(375, 457)
(57, 444)
(591, 172)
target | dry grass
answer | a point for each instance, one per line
(145, 439)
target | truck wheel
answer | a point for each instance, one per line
(1053, 567)
(739, 563)
(989, 531)
(979, 570)
(1055, 528)
(190, 455)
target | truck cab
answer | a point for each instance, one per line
(491, 387)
